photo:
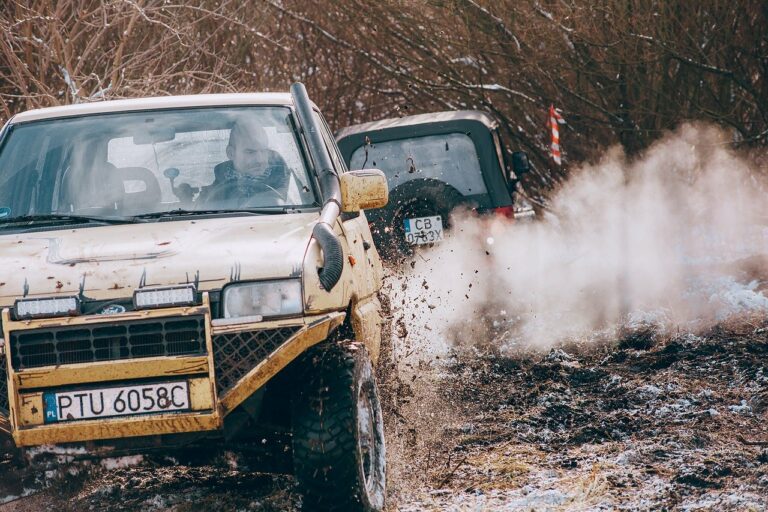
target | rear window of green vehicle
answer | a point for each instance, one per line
(451, 158)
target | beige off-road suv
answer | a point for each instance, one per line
(182, 270)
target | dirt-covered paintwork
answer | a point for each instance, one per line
(110, 262)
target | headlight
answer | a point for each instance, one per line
(263, 299)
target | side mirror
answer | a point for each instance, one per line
(363, 190)
(520, 163)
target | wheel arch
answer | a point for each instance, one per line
(363, 322)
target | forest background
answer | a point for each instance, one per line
(619, 71)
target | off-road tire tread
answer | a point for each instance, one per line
(324, 426)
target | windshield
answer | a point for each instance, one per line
(451, 158)
(138, 163)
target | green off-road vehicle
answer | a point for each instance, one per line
(186, 270)
(434, 164)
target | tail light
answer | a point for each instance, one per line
(506, 212)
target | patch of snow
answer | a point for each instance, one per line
(525, 499)
(538, 498)
(121, 462)
(676, 407)
(627, 458)
(742, 408)
(644, 319)
(742, 500)
(689, 339)
(10, 497)
(157, 503)
(56, 449)
(648, 391)
(558, 356)
(24, 493)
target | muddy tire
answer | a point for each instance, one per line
(338, 434)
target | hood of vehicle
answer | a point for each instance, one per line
(110, 262)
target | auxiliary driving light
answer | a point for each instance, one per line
(164, 297)
(46, 307)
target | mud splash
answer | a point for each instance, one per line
(677, 238)
(500, 336)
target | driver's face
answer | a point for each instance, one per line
(248, 153)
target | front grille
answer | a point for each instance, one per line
(108, 342)
(236, 354)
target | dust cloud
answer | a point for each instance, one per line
(677, 237)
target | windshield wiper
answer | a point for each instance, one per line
(32, 219)
(181, 212)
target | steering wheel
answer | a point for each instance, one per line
(233, 194)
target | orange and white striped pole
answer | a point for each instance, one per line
(554, 120)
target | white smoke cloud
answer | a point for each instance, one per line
(676, 237)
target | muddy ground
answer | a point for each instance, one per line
(647, 422)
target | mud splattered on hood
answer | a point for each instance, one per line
(110, 261)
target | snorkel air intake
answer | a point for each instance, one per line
(333, 258)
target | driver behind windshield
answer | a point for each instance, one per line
(252, 167)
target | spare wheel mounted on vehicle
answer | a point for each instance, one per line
(413, 199)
